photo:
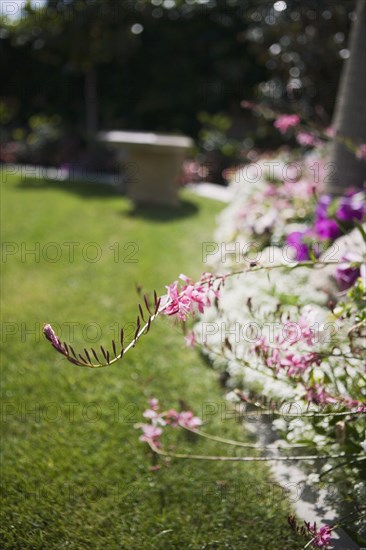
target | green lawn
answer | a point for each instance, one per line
(74, 474)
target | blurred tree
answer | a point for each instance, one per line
(78, 36)
(157, 64)
(350, 112)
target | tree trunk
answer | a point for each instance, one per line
(350, 112)
(91, 107)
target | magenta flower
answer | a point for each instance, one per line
(296, 240)
(296, 363)
(322, 207)
(322, 537)
(190, 298)
(346, 274)
(327, 229)
(351, 207)
(284, 122)
(180, 304)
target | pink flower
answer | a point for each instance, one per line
(151, 433)
(188, 420)
(172, 417)
(296, 363)
(318, 395)
(179, 304)
(190, 339)
(275, 359)
(155, 417)
(330, 132)
(154, 403)
(306, 139)
(190, 298)
(295, 332)
(261, 346)
(307, 332)
(322, 537)
(361, 151)
(352, 403)
(52, 337)
(284, 122)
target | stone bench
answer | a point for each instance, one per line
(152, 162)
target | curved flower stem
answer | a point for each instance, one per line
(127, 348)
(245, 458)
(132, 343)
(110, 358)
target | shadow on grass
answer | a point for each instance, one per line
(84, 190)
(88, 189)
(160, 213)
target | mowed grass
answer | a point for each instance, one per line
(74, 474)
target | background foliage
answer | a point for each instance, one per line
(160, 64)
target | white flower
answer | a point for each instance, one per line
(313, 478)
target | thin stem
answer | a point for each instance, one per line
(245, 458)
(127, 348)
(210, 281)
(301, 415)
(239, 443)
(340, 465)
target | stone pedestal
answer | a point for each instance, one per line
(152, 163)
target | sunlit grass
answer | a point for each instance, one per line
(74, 473)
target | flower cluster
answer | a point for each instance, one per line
(152, 431)
(320, 538)
(190, 298)
(273, 196)
(280, 355)
(320, 367)
(332, 218)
